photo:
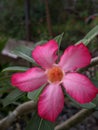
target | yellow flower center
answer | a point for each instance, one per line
(55, 74)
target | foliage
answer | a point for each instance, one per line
(3, 40)
(25, 52)
(39, 124)
(12, 20)
(12, 24)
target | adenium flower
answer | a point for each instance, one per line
(78, 86)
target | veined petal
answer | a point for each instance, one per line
(76, 56)
(51, 102)
(45, 55)
(29, 80)
(79, 87)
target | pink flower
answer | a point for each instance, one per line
(78, 86)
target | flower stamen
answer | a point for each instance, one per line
(55, 74)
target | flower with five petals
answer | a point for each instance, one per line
(56, 75)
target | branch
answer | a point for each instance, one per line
(94, 61)
(31, 105)
(19, 111)
(77, 118)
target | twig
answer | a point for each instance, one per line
(94, 61)
(20, 110)
(77, 118)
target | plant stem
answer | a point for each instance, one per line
(75, 119)
(19, 111)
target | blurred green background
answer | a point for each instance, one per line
(47, 18)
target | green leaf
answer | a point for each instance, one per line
(5, 85)
(86, 105)
(15, 68)
(38, 123)
(13, 96)
(24, 52)
(40, 42)
(95, 101)
(92, 33)
(35, 94)
(59, 38)
(95, 82)
(86, 40)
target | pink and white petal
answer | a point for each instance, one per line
(30, 80)
(45, 55)
(76, 56)
(79, 87)
(51, 102)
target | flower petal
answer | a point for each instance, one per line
(29, 80)
(79, 87)
(45, 55)
(75, 57)
(51, 102)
